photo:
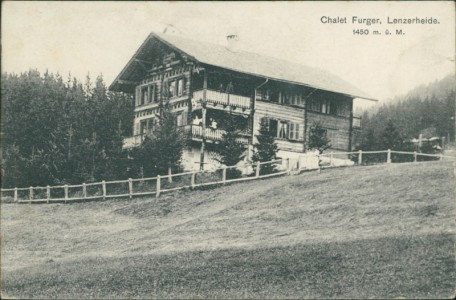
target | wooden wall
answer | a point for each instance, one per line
(281, 113)
(338, 129)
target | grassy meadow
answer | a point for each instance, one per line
(383, 231)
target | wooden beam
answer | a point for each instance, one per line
(143, 61)
(120, 81)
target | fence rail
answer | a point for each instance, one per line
(191, 180)
(140, 186)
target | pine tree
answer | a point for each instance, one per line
(391, 139)
(266, 149)
(230, 150)
(318, 139)
(163, 148)
(56, 132)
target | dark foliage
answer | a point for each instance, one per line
(427, 109)
(318, 139)
(56, 132)
(230, 150)
(163, 148)
(265, 150)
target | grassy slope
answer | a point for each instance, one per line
(384, 231)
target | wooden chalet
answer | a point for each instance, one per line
(204, 82)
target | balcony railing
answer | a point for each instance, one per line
(224, 98)
(356, 122)
(211, 134)
(197, 133)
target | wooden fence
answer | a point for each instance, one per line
(142, 186)
(192, 180)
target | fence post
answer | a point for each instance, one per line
(157, 191)
(103, 186)
(15, 194)
(48, 193)
(170, 173)
(331, 159)
(130, 187)
(30, 195)
(257, 171)
(66, 192)
(193, 180)
(288, 166)
(360, 157)
(84, 190)
(298, 165)
(388, 157)
(224, 174)
(441, 156)
(415, 156)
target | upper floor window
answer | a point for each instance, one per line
(146, 94)
(180, 87)
(325, 106)
(172, 89)
(314, 105)
(176, 87)
(330, 107)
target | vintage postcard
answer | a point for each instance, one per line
(234, 150)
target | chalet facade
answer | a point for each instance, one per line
(204, 82)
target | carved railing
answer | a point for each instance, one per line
(210, 134)
(223, 98)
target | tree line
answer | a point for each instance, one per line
(428, 110)
(58, 131)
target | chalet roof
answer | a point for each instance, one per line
(254, 64)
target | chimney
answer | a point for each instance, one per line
(232, 42)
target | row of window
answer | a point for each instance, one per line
(148, 125)
(282, 129)
(149, 93)
(281, 97)
(325, 106)
(330, 107)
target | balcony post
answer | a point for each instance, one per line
(203, 108)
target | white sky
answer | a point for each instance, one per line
(100, 37)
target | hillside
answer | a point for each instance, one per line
(383, 231)
(428, 108)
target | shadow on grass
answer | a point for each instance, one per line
(407, 266)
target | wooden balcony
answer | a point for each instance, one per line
(212, 135)
(223, 99)
(356, 122)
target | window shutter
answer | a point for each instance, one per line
(291, 135)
